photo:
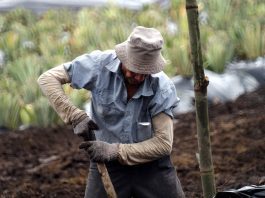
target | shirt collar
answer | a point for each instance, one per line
(114, 65)
(145, 89)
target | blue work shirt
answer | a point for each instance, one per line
(119, 120)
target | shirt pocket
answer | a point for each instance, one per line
(108, 106)
(144, 131)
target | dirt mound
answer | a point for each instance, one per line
(46, 162)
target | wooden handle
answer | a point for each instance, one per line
(102, 169)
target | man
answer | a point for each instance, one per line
(131, 113)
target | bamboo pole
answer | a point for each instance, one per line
(200, 88)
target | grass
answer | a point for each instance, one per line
(9, 108)
(219, 51)
(253, 40)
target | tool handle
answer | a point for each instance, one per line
(88, 135)
(102, 169)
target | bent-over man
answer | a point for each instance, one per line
(131, 113)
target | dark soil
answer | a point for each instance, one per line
(46, 162)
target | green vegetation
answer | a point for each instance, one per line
(32, 44)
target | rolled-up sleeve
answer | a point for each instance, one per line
(84, 70)
(165, 101)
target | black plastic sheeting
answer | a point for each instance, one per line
(245, 192)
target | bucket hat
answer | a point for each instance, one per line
(141, 52)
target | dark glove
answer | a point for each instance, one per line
(85, 129)
(99, 151)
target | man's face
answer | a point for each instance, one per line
(131, 77)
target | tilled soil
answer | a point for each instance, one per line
(46, 162)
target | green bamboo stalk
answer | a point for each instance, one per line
(200, 88)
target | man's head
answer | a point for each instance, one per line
(132, 78)
(141, 52)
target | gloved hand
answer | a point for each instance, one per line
(85, 129)
(99, 151)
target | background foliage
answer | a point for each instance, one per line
(31, 44)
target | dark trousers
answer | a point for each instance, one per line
(149, 180)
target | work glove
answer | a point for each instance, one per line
(99, 151)
(85, 129)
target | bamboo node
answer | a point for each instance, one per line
(206, 170)
(201, 85)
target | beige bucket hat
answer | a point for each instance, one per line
(141, 52)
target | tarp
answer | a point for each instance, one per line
(238, 78)
(245, 192)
